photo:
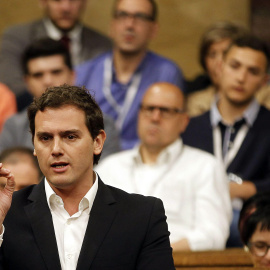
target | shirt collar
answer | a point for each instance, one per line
(86, 202)
(55, 33)
(138, 69)
(170, 153)
(249, 115)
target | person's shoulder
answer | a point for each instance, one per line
(197, 154)
(161, 60)
(264, 112)
(122, 158)
(132, 199)
(96, 35)
(92, 63)
(20, 197)
(19, 118)
(201, 119)
(19, 29)
(260, 123)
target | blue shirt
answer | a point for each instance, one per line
(153, 68)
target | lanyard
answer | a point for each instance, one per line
(122, 111)
(231, 153)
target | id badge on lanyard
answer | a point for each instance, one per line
(230, 155)
(122, 111)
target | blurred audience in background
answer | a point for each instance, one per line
(214, 43)
(254, 227)
(61, 21)
(47, 63)
(8, 104)
(23, 165)
(121, 77)
(191, 183)
(236, 128)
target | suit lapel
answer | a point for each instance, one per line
(41, 221)
(38, 30)
(101, 218)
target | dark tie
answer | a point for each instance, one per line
(65, 41)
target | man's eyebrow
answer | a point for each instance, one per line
(71, 131)
(41, 133)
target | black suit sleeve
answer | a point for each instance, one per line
(156, 253)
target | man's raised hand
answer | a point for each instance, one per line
(6, 193)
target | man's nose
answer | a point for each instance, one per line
(156, 114)
(241, 75)
(47, 80)
(65, 5)
(57, 148)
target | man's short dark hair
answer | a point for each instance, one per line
(58, 96)
(255, 211)
(43, 48)
(20, 149)
(252, 42)
(153, 3)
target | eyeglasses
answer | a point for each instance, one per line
(258, 249)
(165, 112)
(138, 17)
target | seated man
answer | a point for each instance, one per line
(190, 182)
(23, 164)
(121, 77)
(236, 129)
(47, 63)
(71, 219)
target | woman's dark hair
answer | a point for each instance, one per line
(255, 211)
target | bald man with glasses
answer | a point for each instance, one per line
(190, 182)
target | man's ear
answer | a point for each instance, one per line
(99, 142)
(266, 79)
(34, 153)
(184, 122)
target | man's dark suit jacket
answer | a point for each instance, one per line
(252, 162)
(17, 38)
(124, 232)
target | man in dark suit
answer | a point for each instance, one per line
(61, 21)
(71, 220)
(237, 128)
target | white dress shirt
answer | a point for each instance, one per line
(70, 230)
(74, 35)
(191, 184)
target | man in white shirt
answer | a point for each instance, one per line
(190, 182)
(72, 220)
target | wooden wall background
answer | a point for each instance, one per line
(182, 22)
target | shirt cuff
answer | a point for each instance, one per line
(1, 235)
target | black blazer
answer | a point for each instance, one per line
(252, 162)
(124, 232)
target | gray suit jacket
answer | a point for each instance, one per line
(17, 38)
(16, 132)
